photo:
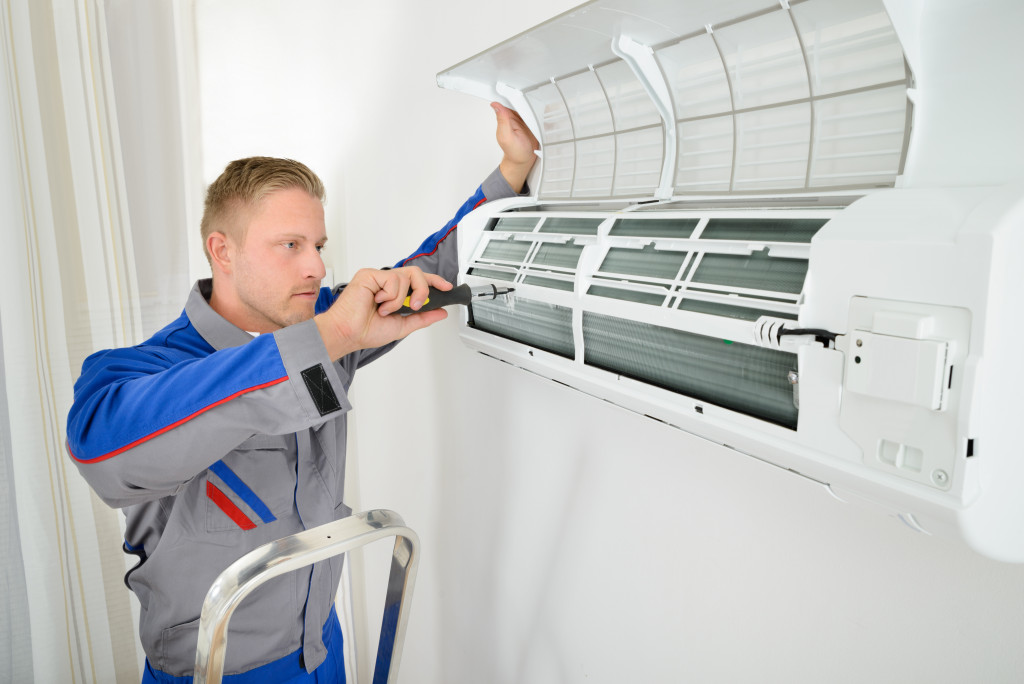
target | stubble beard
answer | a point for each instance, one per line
(287, 314)
(277, 309)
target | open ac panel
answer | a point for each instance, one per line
(784, 227)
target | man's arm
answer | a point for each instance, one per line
(146, 420)
(438, 254)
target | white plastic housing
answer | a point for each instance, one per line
(856, 114)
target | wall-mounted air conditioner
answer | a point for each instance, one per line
(791, 228)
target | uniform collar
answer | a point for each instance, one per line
(213, 327)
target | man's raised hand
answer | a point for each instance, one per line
(517, 145)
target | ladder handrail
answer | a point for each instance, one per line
(297, 551)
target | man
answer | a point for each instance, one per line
(226, 429)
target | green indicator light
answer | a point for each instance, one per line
(727, 341)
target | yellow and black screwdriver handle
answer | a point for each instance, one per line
(460, 294)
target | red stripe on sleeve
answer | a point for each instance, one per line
(175, 424)
(438, 244)
(225, 504)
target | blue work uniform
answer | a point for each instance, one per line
(214, 443)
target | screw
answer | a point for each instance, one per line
(940, 477)
(793, 377)
(860, 343)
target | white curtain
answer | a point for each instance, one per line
(72, 263)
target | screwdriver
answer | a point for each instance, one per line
(460, 294)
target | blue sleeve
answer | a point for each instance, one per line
(125, 396)
(432, 244)
(147, 419)
(439, 252)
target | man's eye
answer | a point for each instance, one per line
(319, 249)
(289, 245)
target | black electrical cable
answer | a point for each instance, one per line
(822, 336)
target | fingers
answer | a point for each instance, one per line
(419, 287)
(359, 318)
(508, 117)
(517, 126)
(504, 115)
(438, 282)
(418, 290)
(396, 285)
(518, 146)
(514, 137)
(418, 321)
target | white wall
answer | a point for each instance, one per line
(271, 82)
(565, 540)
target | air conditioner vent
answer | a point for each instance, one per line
(533, 323)
(731, 231)
(670, 228)
(740, 377)
(667, 298)
(762, 228)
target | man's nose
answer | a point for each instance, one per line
(314, 265)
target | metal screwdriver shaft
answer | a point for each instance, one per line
(460, 294)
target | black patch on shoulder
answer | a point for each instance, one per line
(320, 389)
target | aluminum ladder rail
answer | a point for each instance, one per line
(297, 551)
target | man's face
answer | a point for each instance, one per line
(277, 270)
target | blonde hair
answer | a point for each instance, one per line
(243, 185)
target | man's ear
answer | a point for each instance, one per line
(220, 252)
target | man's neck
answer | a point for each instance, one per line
(225, 307)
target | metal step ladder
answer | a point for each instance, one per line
(297, 551)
